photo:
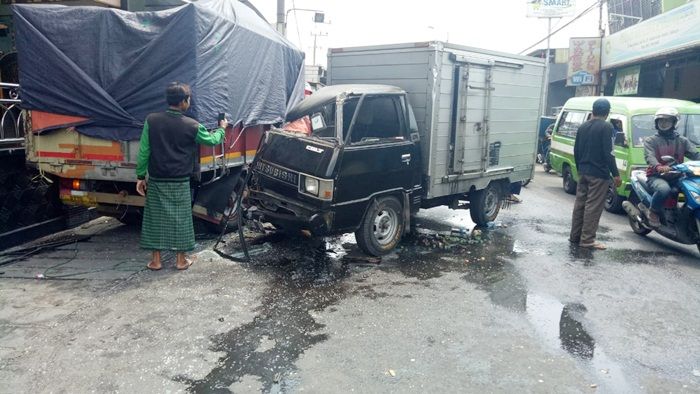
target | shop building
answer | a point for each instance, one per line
(654, 50)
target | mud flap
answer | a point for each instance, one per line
(406, 213)
(211, 200)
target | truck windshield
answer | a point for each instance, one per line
(643, 127)
(320, 122)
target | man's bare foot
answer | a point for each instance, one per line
(183, 266)
(153, 266)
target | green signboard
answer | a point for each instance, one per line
(671, 4)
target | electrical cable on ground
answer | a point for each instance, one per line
(577, 17)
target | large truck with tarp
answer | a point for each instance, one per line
(86, 99)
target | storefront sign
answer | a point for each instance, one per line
(668, 5)
(627, 81)
(669, 32)
(584, 91)
(550, 8)
(584, 61)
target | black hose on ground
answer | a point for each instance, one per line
(237, 204)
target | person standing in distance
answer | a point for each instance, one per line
(168, 154)
(595, 162)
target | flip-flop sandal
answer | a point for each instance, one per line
(189, 264)
(154, 269)
(595, 245)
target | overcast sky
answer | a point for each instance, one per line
(491, 24)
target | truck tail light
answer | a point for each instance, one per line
(73, 184)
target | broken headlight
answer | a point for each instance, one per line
(319, 188)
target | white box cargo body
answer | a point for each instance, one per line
(477, 110)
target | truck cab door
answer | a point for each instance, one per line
(379, 156)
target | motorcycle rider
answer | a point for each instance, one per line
(666, 142)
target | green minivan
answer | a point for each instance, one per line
(633, 120)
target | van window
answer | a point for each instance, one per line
(619, 137)
(642, 127)
(348, 112)
(570, 122)
(377, 119)
(693, 129)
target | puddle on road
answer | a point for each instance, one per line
(305, 280)
(308, 278)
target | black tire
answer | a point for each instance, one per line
(568, 180)
(613, 201)
(382, 227)
(218, 228)
(485, 204)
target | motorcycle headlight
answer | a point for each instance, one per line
(316, 187)
(695, 196)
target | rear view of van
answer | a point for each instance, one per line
(633, 120)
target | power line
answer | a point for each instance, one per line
(577, 17)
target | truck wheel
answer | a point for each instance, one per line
(218, 228)
(484, 205)
(613, 201)
(569, 182)
(230, 209)
(382, 227)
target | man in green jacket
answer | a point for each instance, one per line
(168, 153)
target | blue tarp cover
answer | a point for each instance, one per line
(113, 66)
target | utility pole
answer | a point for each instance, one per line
(601, 32)
(546, 68)
(315, 36)
(281, 22)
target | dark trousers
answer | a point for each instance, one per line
(661, 190)
(590, 201)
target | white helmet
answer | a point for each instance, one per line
(666, 113)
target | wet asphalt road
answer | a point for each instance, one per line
(513, 310)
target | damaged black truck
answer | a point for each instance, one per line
(356, 158)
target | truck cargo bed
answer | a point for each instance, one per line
(477, 110)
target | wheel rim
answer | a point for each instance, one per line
(385, 225)
(610, 197)
(490, 203)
